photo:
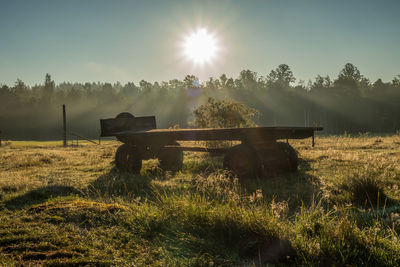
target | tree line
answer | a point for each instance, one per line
(349, 103)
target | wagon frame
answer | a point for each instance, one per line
(258, 152)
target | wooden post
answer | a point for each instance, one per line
(313, 141)
(0, 138)
(65, 127)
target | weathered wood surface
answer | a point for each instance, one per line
(109, 127)
(250, 135)
(141, 131)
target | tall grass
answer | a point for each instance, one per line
(67, 206)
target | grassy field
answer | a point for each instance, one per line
(65, 206)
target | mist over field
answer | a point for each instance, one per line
(348, 103)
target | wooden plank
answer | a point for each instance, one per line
(252, 135)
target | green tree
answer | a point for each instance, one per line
(130, 90)
(247, 80)
(396, 80)
(281, 76)
(20, 90)
(191, 81)
(48, 89)
(349, 73)
(48, 84)
(224, 114)
(145, 87)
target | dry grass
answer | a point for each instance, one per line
(66, 206)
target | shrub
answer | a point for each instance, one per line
(224, 114)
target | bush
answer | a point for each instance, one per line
(224, 114)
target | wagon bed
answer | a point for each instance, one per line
(259, 149)
(210, 134)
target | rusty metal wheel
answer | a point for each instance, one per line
(171, 159)
(127, 159)
(278, 158)
(291, 156)
(242, 160)
(125, 115)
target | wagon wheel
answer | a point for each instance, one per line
(243, 161)
(171, 159)
(291, 158)
(278, 158)
(127, 159)
(125, 115)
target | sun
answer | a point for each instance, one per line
(200, 47)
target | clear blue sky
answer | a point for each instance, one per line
(89, 40)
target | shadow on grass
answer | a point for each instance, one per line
(122, 184)
(295, 187)
(299, 188)
(111, 184)
(40, 195)
(204, 164)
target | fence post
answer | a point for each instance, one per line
(313, 139)
(0, 138)
(65, 127)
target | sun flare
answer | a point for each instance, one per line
(200, 47)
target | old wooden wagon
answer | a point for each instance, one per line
(256, 152)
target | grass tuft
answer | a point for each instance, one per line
(367, 191)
